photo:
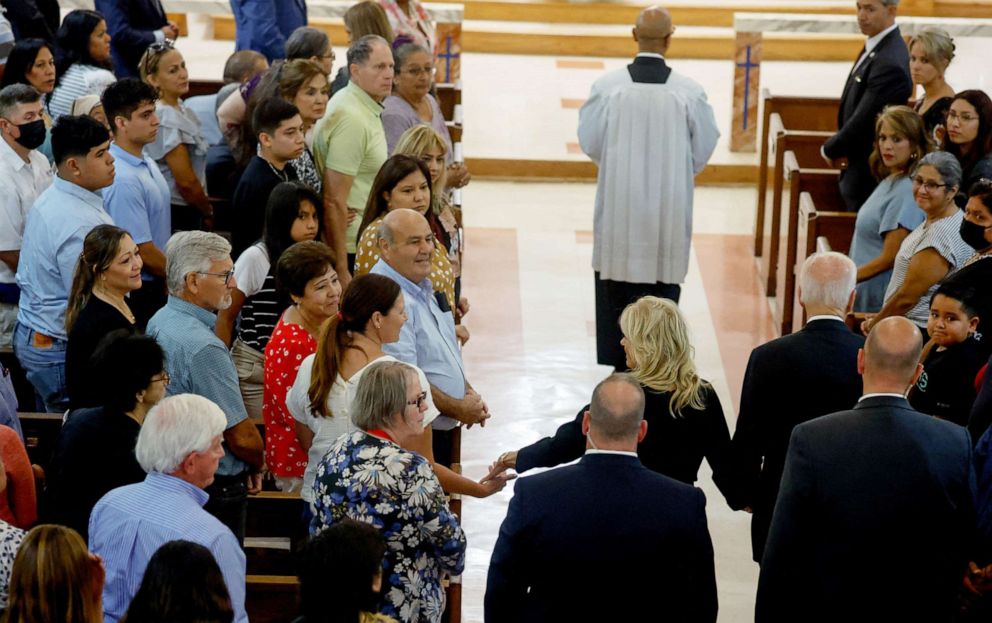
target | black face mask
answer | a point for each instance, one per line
(32, 134)
(974, 235)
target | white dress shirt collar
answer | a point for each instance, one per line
(881, 394)
(872, 42)
(619, 452)
(650, 55)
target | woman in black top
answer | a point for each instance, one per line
(108, 269)
(969, 138)
(930, 52)
(684, 416)
(95, 449)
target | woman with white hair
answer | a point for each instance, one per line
(368, 476)
(683, 412)
(931, 251)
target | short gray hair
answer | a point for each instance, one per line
(404, 52)
(827, 279)
(385, 232)
(306, 42)
(14, 94)
(381, 392)
(946, 164)
(360, 51)
(190, 252)
(617, 418)
(175, 427)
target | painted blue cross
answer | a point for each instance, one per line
(447, 55)
(747, 65)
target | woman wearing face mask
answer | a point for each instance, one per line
(976, 272)
(969, 138)
(890, 213)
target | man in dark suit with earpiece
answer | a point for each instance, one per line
(879, 78)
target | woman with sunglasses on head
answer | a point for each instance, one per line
(292, 215)
(969, 138)
(107, 271)
(82, 60)
(932, 250)
(95, 449)
(179, 148)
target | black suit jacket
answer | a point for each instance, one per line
(131, 24)
(875, 519)
(33, 18)
(882, 79)
(603, 540)
(788, 381)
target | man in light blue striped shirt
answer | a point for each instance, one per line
(180, 447)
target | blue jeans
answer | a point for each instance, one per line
(44, 365)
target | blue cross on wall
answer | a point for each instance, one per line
(747, 65)
(447, 55)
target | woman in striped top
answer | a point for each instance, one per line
(291, 215)
(82, 60)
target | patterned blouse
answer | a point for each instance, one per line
(442, 275)
(306, 172)
(376, 481)
(289, 346)
(10, 541)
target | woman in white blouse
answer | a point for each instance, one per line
(82, 60)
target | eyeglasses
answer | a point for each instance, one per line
(165, 378)
(927, 185)
(227, 276)
(963, 118)
(416, 72)
(419, 402)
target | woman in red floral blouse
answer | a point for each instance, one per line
(305, 270)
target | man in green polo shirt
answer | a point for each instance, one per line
(350, 145)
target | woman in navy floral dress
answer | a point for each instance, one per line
(367, 476)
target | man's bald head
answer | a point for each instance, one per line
(892, 354)
(617, 409)
(406, 243)
(653, 29)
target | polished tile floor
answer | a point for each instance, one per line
(532, 354)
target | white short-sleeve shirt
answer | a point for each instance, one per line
(23, 182)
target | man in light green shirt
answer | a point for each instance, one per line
(350, 145)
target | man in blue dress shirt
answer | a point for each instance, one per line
(53, 241)
(200, 275)
(180, 447)
(427, 339)
(139, 199)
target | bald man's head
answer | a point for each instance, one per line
(892, 352)
(653, 29)
(406, 243)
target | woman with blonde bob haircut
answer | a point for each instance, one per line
(930, 52)
(55, 579)
(684, 415)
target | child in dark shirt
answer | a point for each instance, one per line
(946, 388)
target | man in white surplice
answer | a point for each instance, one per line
(650, 130)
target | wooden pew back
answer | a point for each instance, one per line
(272, 598)
(820, 230)
(791, 113)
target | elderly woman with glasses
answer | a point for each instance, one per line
(412, 104)
(95, 449)
(368, 476)
(933, 249)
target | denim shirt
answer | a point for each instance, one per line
(427, 339)
(58, 223)
(198, 362)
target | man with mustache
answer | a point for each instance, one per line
(200, 276)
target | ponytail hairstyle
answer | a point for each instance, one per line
(365, 296)
(99, 250)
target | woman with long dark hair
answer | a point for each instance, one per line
(969, 138)
(82, 60)
(292, 215)
(108, 269)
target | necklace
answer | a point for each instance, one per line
(120, 306)
(282, 175)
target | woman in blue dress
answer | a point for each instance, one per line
(890, 213)
(369, 477)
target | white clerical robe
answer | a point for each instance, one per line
(649, 141)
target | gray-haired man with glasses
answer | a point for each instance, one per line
(200, 277)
